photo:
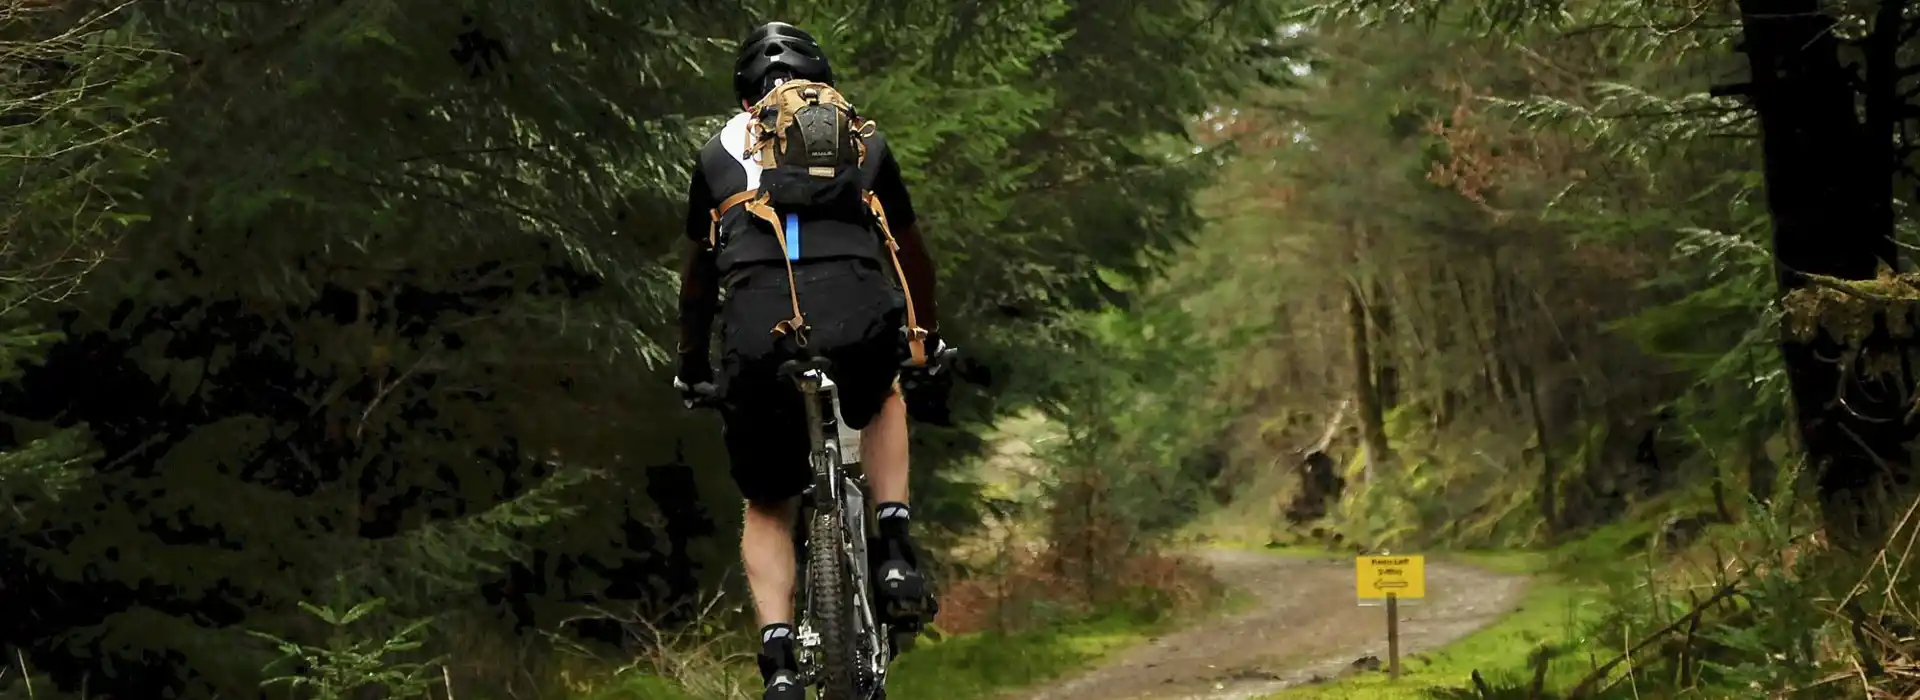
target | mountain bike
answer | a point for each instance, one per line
(844, 647)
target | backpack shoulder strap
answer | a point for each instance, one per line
(916, 336)
(758, 207)
(713, 227)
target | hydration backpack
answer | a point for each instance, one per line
(810, 144)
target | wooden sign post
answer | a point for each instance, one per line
(1390, 578)
(1393, 637)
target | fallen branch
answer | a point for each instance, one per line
(1850, 288)
(1587, 684)
(1333, 427)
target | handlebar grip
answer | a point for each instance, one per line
(936, 361)
(701, 395)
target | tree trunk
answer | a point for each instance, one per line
(1501, 337)
(1373, 428)
(1492, 376)
(1549, 468)
(1826, 181)
(1506, 331)
(1445, 341)
(1386, 363)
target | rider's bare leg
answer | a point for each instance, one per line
(766, 547)
(883, 447)
(883, 451)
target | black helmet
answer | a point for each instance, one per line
(777, 50)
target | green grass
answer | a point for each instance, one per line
(1503, 562)
(987, 664)
(984, 665)
(1553, 611)
(639, 687)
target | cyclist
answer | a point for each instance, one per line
(842, 278)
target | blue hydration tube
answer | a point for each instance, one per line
(793, 236)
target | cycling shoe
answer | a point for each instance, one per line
(903, 591)
(903, 599)
(784, 685)
(777, 664)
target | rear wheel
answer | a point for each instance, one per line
(832, 607)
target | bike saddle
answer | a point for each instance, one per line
(793, 367)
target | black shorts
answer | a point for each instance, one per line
(855, 313)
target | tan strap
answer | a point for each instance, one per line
(863, 129)
(797, 325)
(916, 336)
(713, 227)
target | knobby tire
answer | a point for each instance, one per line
(832, 614)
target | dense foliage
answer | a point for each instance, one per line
(376, 296)
(1542, 273)
(318, 316)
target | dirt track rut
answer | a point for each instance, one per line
(1302, 623)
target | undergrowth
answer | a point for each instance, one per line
(1761, 607)
(1681, 595)
(1758, 608)
(1038, 590)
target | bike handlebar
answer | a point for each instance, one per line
(706, 395)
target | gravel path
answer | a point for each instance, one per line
(1303, 623)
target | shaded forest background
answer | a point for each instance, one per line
(311, 307)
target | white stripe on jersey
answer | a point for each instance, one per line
(733, 138)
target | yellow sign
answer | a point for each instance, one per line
(1404, 577)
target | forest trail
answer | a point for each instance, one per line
(1303, 623)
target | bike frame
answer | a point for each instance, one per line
(837, 487)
